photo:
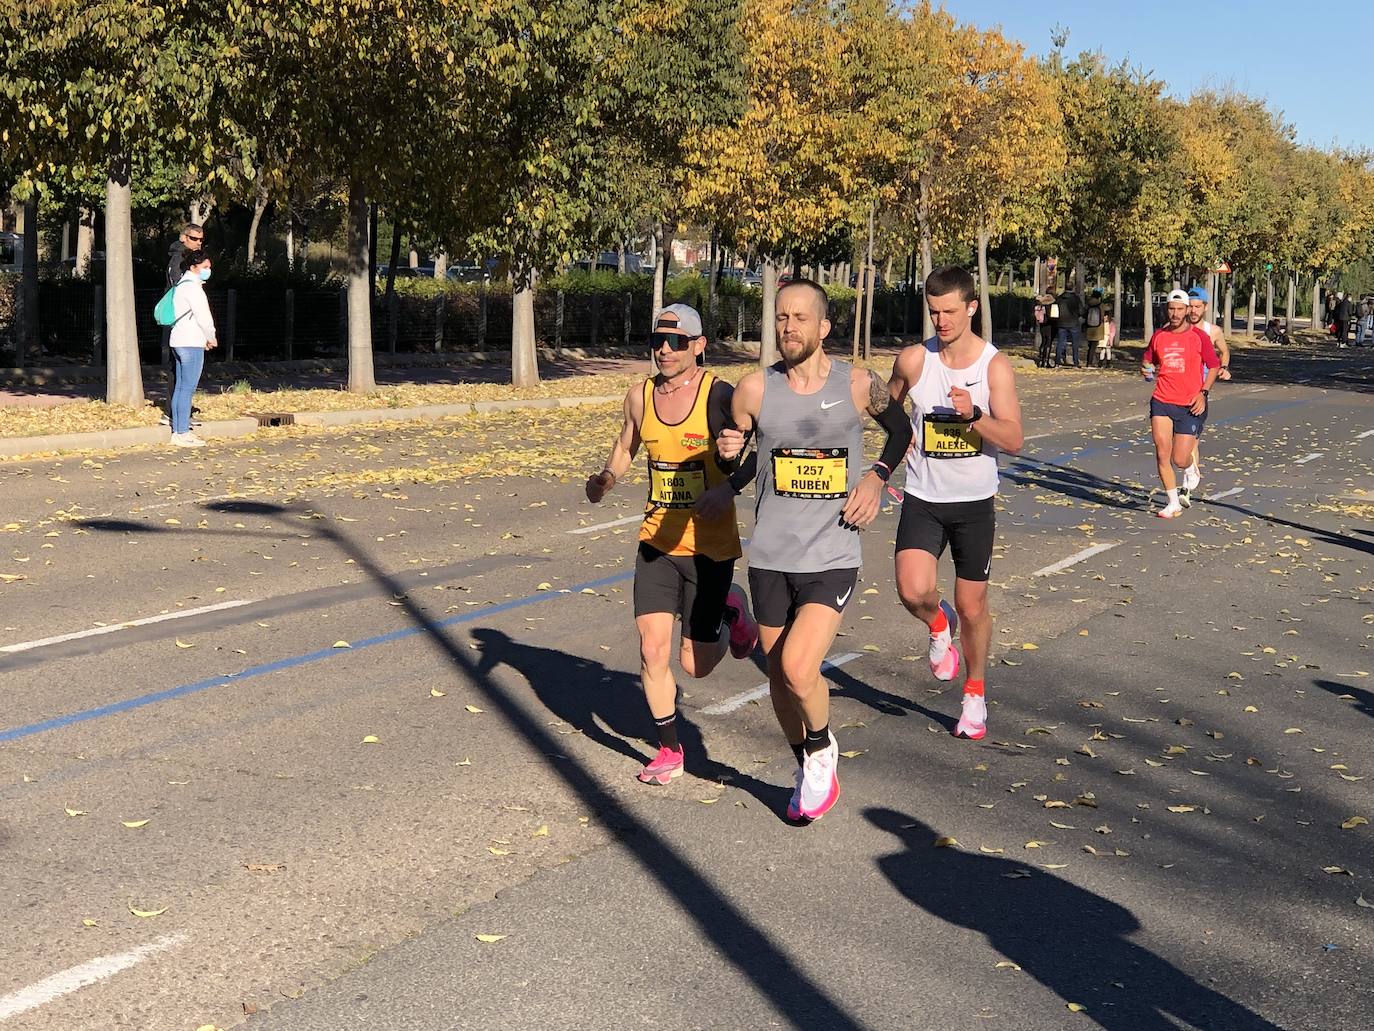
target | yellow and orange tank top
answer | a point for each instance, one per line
(682, 467)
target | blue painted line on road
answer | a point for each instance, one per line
(226, 679)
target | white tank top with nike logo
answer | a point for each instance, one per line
(949, 459)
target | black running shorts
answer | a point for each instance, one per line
(776, 596)
(691, 586)
(966, 527)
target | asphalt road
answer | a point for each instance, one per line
(393, 705)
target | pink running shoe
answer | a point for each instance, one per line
(794, 803)
(944, 657)
(744, 632)
(820, 788)
(973, 721)
(663, 768)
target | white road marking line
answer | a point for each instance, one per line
(1063, 564)
(745, 697)
(607, 526)
(1223, 494)
(192, 501)
(1038, 436)
(1366, 433)
(114, 627)
(42, 992)
(1307, 458)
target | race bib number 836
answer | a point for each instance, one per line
(811, 472)
(941, 438)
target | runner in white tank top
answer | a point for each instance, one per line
(964, 411)
(1198, 299)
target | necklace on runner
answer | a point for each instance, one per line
(675, 389)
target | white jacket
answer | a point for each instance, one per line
(194, 326)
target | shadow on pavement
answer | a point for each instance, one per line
(799, 1000)
(1071, 940)
(1074, 483)
(591, 697)
(1364, 700)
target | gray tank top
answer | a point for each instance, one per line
(811, 455)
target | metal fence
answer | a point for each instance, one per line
(265, 322)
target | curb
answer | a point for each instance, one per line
(224, 429)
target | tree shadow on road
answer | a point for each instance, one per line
(1075, 483)
(607, 706)
(1071, 940)
(1364, 700)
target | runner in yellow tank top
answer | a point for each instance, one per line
(689, 540)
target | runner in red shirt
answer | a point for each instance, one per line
(1179, 359)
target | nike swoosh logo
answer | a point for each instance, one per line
(840, 599)
(827, 405)
(974, 383)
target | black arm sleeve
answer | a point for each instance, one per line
(719, 417)
(897, 424)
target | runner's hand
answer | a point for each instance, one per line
(598, 485)
(1224, 374)
(864, 501)
(716, 502)
(1199, 404)
(729, 444)
(961, 401)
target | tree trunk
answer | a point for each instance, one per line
(1230, 309)
(1251, 315)
(1268, 297)
(1116, 301)
(712, 285)
(372, 251)
(290, 240)
(414, 256)
(768, 327)
(200, 209)
(123, 376)
(870, 286)
(1148, 302)
(620, 257)
(653, 248)
(1317, 302)
(664, 234)
(927, 328)
(259, 208)
(1292, 289)
(524, 365)
(984, 294)
(85, 241)
(394, 257)
(29, 342)
(441, 266)
(860, 285)
(361, 379)
(1035, 286)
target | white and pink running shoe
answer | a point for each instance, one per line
(973, 721)
(820, 788)
(744, 632)
(944, 656)
(664, 767)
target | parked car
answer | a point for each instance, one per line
(753, 277)
(877, 280)
(11, 252)
(465, 273)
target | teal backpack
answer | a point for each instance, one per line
(164, 312)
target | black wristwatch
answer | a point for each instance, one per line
(1206, 393)
(977, 414)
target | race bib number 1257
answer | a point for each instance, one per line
(814, 473)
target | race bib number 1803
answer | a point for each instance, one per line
(676, 484)
(814, 473)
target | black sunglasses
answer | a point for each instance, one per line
(675, 341)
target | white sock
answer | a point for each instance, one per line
(1173, 496)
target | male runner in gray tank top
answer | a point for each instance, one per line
(964, 411)
(814, 493)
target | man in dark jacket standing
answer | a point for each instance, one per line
(1342, 319)
(1070, 328)
(192, 238)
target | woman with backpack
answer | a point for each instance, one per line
(193, 333)
(1094, 327)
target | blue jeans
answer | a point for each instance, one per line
(1066, 333)
(189, 363)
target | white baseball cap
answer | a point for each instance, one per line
(688, 320)
(1178, 295)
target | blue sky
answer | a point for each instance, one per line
(1302, 59)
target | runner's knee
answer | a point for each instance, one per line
(918, 595)
(654, 652)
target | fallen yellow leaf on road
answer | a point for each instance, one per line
(473, 708)
(544, 587)
(708, 801)
(542, 832)
(1337, 870)
(371, 739)
(1293, 730)
(498, 851)
(1028, 647)
(1006, 964)
(854, 754)
(146, 912)
(1353, 822)
(342, 644)
(489, 938)
(184, 644)
(76, 812)
(134, 824)
(89, 923)
(1182, 808)
(1074, 1007)
(945, 842)
(434, 692)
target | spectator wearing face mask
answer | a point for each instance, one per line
(193, 334)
